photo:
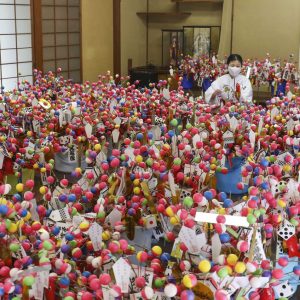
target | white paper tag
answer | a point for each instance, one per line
(233, 123)
(115, 135)
(166, 94)
(114, 217)
(88, 130)
(274, 113)
(34, 214)
(252, 138)
(216, 247)
(122, 271)
(73, 154)
(192, 241)
(1, 160)
(95, 233)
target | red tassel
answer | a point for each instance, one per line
(292, 245)
(50, 292)
(267, 294)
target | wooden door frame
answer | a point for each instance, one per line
(37, 36)
(117, 36)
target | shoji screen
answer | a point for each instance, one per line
(61, 37)
(15, 42)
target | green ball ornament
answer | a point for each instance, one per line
(188, 202)
(177, 161)
(223, 272)
(74, 211)
(272, 158)
(282, 187)
(42, 253)
(7, 223)
(47, 245)
(101, 215)
(149, 162)
(28, 280)
(73, 244)
(159, 282)
(197, 160)
(72, 263)
(262, 211)
(174, 122)
(189, 126)
(294, 222)
(219, 169)
(68, 298)
(256, 213)
(13, 247)
(144, 202)
(251, 219)
(44, 260)
(258, 272)
(180, 127)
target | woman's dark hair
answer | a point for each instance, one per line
(233, 57)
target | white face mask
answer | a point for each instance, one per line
(234, 71)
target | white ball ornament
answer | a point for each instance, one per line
(170, 290)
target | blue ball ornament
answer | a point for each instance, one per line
(72, 198)
(208, 195)
(165, 257)
(64, 281)
(139, 136)
(224, 237)
(3, 209)
(227, 203)
(69, 236)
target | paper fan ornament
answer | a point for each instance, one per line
(203, 292)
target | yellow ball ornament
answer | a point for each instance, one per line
(138, 158)
(281, 203)
(286, 168)
(97, 147)
(43, 190)
(106, 235)
(136, 190)
(136, 182)
(13, 228)
(174, 220)
(156, 250)
(240, 267)
(232, 259)
(20, 187)
(169, 212)
(3, 201)
(204, 266)
(84, 225)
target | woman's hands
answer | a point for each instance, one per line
(216, 93)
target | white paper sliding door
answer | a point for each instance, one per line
(15, 43)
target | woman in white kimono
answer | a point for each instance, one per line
(232, 86)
